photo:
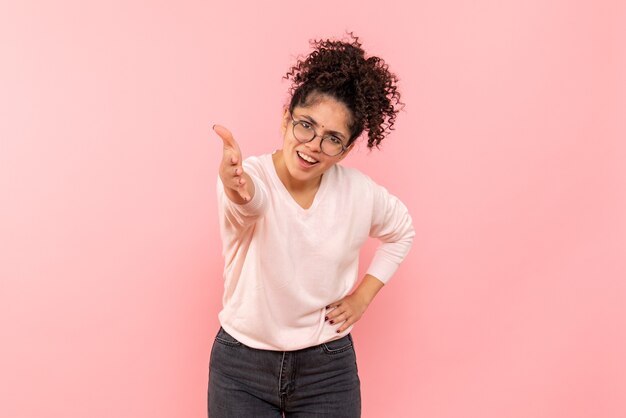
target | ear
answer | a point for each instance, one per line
(285, 122)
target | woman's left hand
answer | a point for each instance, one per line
(347, 310)
(351, 308)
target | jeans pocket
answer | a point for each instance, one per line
(225, 338)
(338, 346)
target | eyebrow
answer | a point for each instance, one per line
(335, 133)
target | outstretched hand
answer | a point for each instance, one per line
(237, 184)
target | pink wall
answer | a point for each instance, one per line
(510, 155)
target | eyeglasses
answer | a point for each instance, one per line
(303, 131)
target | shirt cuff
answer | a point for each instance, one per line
(381, 268)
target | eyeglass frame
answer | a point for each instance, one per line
(293, 130)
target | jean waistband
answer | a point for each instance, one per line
(348, 337)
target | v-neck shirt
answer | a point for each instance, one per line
(319, 194)
(284, 264)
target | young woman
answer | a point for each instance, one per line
(292, 224)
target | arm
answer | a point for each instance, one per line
(392, 225)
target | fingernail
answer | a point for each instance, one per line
(213, 127)
(325, 318)
(338, 331)
(332, 322)
(328, 307)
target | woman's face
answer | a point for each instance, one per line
(306, 161)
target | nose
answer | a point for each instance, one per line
(315, 144)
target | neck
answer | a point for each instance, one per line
(291, 184)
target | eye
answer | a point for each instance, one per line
(305, 125)
(335, 140)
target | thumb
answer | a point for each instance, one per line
(227, 137)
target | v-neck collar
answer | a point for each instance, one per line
(319, 194)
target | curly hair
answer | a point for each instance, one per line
(340, 70)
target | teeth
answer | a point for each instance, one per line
(306, 158)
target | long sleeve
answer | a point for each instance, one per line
(237, 220)
(392, 224)
(241, 216)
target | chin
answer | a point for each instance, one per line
(301, 176)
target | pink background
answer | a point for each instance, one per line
(511, 156)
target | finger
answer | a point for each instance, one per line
(334, 314)
(238, 185)
(345, 326)
(228, 168)
(331, 314)
(227, 137)
(338, 319)
(243, 193)
(333, 305)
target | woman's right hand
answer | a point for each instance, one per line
(237, 184)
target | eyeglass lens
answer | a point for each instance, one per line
(330, 145)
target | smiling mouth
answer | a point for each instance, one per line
(307, 159)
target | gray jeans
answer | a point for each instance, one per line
(318, 381)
